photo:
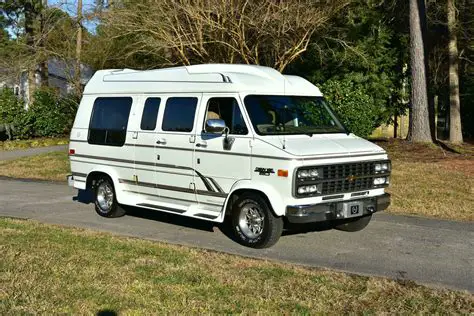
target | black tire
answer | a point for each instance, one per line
(252, 207)
(102, 198)
(353, 224)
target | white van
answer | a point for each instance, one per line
(224, 141)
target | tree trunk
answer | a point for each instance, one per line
(43, 65)
(455, 132)
(30, 41)
(420, 123)
(77, 66)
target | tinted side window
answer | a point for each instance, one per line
(227, 109)
(150, 114)
(108, 125)
(179, 114)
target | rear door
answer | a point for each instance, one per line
(217, 167)
(145, 159)
(174, 150)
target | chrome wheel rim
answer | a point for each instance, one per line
(105, 197)
(251, 220)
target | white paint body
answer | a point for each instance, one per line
(231, 169)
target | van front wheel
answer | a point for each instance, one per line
(105, 200)
(253, 222)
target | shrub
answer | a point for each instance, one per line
(52, 115)
(12, 111)
(355, 107)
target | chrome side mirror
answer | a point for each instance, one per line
(215, 126)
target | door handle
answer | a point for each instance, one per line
(161, 141)
(203, 145)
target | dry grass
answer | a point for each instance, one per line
(32, 143)
(436, 190)
(431, 180)
(51, 270)
(51, 166)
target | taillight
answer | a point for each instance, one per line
(72, 152)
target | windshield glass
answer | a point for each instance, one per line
(289, 115)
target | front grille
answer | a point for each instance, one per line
(341, 178)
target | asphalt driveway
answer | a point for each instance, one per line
(432, 252)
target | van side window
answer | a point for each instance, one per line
(227, 109)
(150, 114)
(108, 125)
(179, 114)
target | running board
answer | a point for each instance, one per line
(205, 216)
(164, 208)
(177, 211)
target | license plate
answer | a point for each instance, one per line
(352, 209)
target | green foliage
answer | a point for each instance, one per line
(12, 111)
(49, 116)
(52, 115)
(353, 104)
(367, 53)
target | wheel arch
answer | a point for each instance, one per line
(267, 192)
(97, 173)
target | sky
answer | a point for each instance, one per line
(70, 6)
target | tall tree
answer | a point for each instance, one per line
(455, 131)
(266, 32)
(77, 66)
(420, 123)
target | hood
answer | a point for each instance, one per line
(324, 144)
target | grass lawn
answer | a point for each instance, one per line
(427, 180)
(31, 143)
(52, 270)
(50, 166)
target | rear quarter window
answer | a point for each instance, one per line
(109, 120)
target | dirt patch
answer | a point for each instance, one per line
(403, 150)
(465, 166)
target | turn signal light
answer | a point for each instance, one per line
(282, 173)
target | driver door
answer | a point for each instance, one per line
(218, 166)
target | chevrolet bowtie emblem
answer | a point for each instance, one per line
(351, 178)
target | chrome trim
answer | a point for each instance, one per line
(174, 188)
(205, 216)
(334, 210)
(173, 198)
(214, 126)
(164, 208)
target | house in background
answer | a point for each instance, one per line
(60, 77)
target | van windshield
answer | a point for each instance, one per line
(291, 115)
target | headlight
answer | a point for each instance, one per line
(309, 189)
(381, 180)
(303, 174)
(383, 166)
(309, 173)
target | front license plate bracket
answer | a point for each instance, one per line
(352, 209)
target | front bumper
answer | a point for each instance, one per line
(300, 214)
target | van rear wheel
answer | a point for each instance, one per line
(253, 222)
(354, 225)
(106, 204)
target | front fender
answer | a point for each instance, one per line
(274, 197)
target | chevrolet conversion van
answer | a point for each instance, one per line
(224, 142)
